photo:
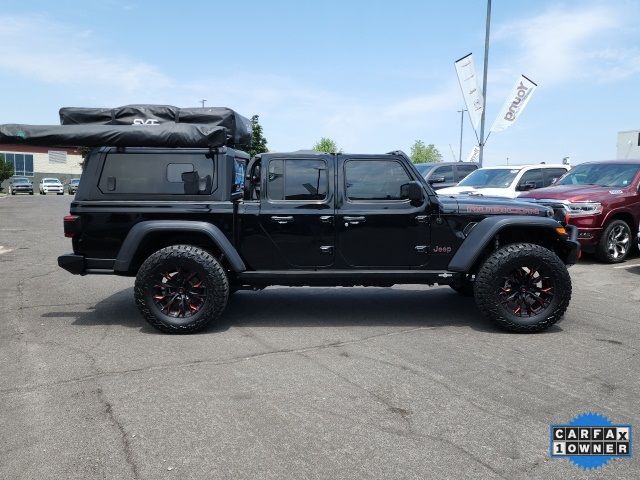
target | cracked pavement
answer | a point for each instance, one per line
(403, 382)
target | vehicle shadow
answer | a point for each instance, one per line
(313, 307)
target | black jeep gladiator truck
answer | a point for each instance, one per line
(193, 225)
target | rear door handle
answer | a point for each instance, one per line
(354, 220)
(282, 220)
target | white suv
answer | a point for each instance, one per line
(51, 185)
(506, 181)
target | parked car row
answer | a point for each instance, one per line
(46, 185)
(602, 199)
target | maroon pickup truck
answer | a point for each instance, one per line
(602, 199)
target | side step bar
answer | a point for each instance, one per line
(346, 277)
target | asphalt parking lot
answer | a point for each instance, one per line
(403, 382)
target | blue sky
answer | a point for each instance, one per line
(372, 75)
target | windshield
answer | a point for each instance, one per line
(490, 178)
(75, 181)
(604, 175)
(424, 168)
(21, 180)
(51, 180)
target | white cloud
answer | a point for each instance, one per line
(562, 45)
(56, 54)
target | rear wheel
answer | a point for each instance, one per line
(181, 289)
(523, 288)
(615, 243)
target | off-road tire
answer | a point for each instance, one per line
(602, 249)
(207, 267)
(490, 280)
(464, 287)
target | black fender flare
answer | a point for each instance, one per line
(140, 230)
(486, 230)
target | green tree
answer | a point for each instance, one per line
(6, 168)
(326, 145)
(421, 153)
(258, 142)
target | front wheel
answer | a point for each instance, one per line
(181, 289)
(615, 243)
(523, 287)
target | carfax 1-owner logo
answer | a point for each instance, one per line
(590, 440)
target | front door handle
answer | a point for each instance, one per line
(326, 218)
(282, 220)
(354, 220)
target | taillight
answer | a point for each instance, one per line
(71, 224)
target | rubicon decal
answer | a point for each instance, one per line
(501, 210)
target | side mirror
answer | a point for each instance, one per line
(523, 187)
(437, 179)
(412, 191)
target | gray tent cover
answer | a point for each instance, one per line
(238, 127)
(171, 135)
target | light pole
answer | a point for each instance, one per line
(202, 102)
(461, 112)
(484, 83)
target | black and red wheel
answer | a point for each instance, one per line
(523, 288)
(181, 289)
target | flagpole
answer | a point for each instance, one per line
(484, 83)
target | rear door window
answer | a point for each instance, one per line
(534, 176)
(464, 170)
(375, 180)
(552, 174)
(445, 171)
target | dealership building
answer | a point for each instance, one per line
(39, 162)
(628, 145)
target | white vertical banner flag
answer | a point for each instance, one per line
(474, 154)
(468, 80)
(516, 101)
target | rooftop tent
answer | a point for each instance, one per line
(172, 135)
(238, 127)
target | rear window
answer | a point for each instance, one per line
(163, 174)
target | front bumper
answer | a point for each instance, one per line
(22, 189)
(81, 265)
(572, 246)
